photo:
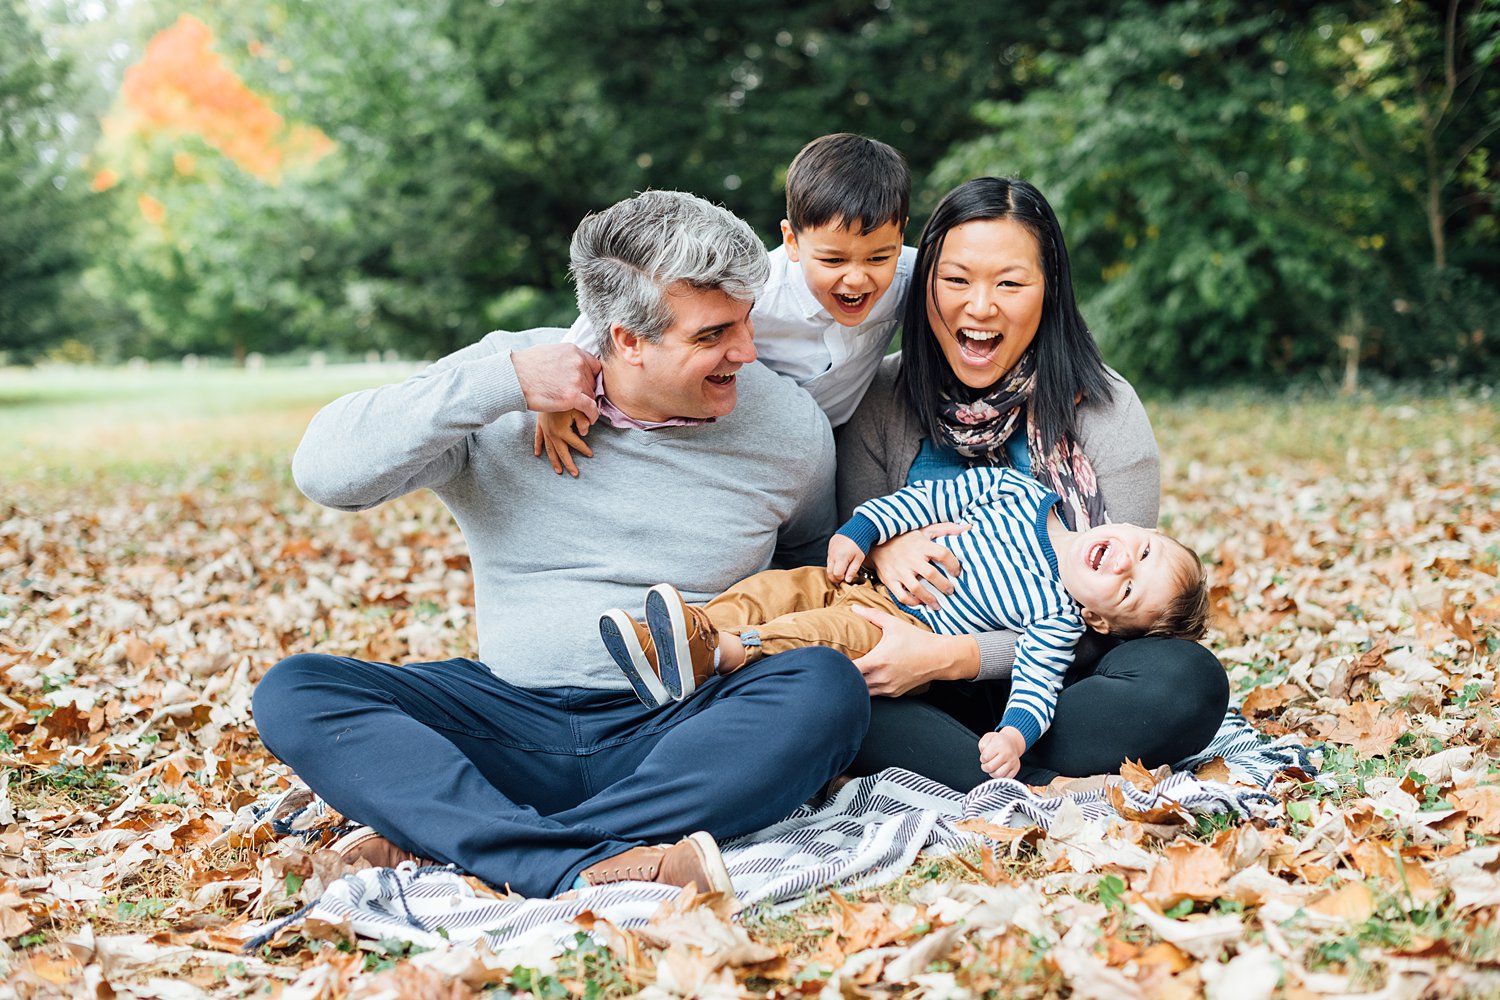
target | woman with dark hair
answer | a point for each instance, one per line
(998, 366)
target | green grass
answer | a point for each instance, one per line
(67, 425)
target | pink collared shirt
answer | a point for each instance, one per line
(619, 418)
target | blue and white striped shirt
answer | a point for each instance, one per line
(1009, 580)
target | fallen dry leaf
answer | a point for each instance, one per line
(1186, 871)
(1364, 726)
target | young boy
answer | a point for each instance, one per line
(1024, 571)
(833, 300)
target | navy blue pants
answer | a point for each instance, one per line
(526, 787)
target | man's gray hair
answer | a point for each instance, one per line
(626, 258)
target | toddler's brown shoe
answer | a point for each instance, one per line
(686, 640)
(630, 646)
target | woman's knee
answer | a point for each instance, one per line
(1183, 680)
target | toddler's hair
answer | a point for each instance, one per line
(1186, 614)
(847, 179)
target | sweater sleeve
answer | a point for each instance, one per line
(1116, 436)
(1043, 655)
(803, 540)
(930, 501)
(376, 444)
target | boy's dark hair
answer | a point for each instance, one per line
(1186, 615)
(847, 179)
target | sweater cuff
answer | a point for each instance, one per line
(997, 655)
(1024, 723)
(863, 532)
(498, 390)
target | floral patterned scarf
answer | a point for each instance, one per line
(978, 429)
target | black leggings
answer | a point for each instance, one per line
(1153, 700)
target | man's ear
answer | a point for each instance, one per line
(1095, 621)
(627, 346)
(789, 240)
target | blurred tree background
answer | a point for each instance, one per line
(1251, 190)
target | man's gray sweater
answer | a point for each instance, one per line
(700, 507)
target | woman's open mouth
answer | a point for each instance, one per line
(978, 346)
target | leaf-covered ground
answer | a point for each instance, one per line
(148, 581)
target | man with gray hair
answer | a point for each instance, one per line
(535, 766)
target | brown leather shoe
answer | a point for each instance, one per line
(694, 860)
(686, 640)
(364, 844)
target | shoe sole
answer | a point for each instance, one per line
(630, 658)
(668, 628)
(713, 863)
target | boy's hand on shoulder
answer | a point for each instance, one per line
(556, 378)
(1000, 752)
(845, 559)
(561, 434)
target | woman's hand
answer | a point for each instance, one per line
(908, 656)
(903, 562)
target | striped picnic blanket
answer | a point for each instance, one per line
(868, 833)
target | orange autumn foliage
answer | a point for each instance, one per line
(182, 85)
(152, 210)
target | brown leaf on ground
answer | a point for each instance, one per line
(1363, 726)
(857, 927)
(1351, 903)
(1352, 678)
(1382, 860)
(1015, 837)
(1168, 813)
(1270, 699)
(1135, 772)
(1482, 803)
(1186, 871)
(1215, 770)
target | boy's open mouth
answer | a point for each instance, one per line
(1097, 553)
(851, 303)
(722, 379)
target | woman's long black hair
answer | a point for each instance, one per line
(1068, 363)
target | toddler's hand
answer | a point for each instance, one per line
(845, 558)
(561, 434)
(1000, 752)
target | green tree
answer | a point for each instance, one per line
(1225, 217)
(41, 191)
(473, 137)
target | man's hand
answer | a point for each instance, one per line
(845, 558)
(908, 657)
(1000, 752)
(903, 562)
(556, 378)
(561, 434)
